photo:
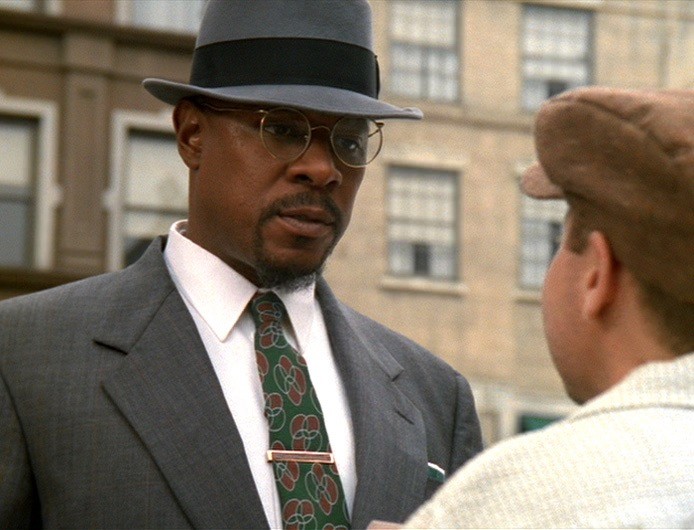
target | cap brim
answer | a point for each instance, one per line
(322, 99)
(535, 183)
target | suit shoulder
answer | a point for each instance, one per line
(64, 295)
(94, 293)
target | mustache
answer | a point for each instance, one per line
(305, 199)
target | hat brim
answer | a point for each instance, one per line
(315, 98)
(536, 184)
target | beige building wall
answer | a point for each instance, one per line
(85, 69)
(485, 325)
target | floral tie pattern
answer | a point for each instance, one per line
(311, 493)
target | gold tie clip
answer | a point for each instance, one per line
(313, 457)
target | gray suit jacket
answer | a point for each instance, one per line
(111, 414)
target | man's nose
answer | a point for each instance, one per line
(318, 165)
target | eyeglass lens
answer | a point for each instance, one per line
(286, 133)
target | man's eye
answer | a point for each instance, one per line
(351, 143)
(285, 130)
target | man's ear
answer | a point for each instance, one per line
(601, 278)
(186, 118)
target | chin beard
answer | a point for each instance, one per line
(271, 275)
(284, 279)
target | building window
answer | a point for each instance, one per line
(422, 223)
(24, 5)
(148, 186)
(541, 232)
(557, 50)
(155, 190)
(424, 49)
(29, 193)
(171, 15)
(51, 7)
(18, 137)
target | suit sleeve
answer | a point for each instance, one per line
(467, 435)
(18, 504)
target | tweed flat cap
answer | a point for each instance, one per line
(627, 158)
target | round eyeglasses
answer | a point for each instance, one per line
(286, 134)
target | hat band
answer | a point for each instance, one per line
(286, 61)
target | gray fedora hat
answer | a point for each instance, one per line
(314, 55)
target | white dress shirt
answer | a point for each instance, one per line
(217, 297)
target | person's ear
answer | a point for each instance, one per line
(186, 118)
(601, 276)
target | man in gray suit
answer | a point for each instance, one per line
(133, 399)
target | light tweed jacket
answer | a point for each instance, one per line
(625, 459)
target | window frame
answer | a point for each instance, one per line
(47, 193)
(123, 122)
(456, 175)
(427, 51)
(589, 59)
(522, 216)
(50, 7)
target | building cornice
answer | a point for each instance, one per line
(58, 26)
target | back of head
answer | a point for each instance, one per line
(624, 160)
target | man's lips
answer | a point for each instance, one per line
(307, 221)
(309, 214)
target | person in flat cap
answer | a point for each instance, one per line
(618, 306)
(218, 382)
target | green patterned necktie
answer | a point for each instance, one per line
(309, 486)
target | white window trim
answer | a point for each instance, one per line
(426, 159)
(124, 16)
(48, 194)
(123, 13)
(122, 122)
(54, 7)
(49, 7)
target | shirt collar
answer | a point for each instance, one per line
(220, 294)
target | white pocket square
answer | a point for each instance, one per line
(435, 472)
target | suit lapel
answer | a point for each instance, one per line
(390, 440)
(167, 390)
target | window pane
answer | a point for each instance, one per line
(541, 230)
(406, 72)
(141, 228)
(424, 21)
(424, 49)
(557, 52)
(182, 15)
(401, 258)
(155, 175)
(422, 226)
(15, 219)
(155, 190)
(18, 138)
(20, 5)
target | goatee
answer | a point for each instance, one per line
(272, 275)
